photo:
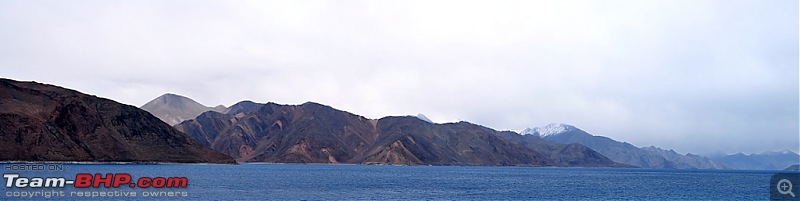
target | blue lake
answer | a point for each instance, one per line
(362, 182)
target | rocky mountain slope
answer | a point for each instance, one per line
(315, 133)
(622, 152)
(48, 123)
(174, 109)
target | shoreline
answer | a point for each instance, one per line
(110, 163)
(392, 165)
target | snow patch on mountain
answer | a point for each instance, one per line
(424, 118)
(550, 129)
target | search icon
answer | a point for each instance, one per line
(785, 187)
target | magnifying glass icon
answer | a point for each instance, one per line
(785, 187)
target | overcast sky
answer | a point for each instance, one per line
(694, 76)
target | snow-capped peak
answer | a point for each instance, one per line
(775, 153)
(527, 131)
(550, 129)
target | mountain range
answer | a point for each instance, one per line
(43, 122)
(49, 123)
(254, 132)
(763, 161)
(654, 157)
(623, 152)
(316, 133)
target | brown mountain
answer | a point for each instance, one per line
(315, 133)
(459, 143)
(43, 122)
(174, 109)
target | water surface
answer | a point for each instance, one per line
(362, 182)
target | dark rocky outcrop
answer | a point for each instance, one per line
(48, 123)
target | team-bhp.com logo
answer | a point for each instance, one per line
(85, 180)
(109, 185)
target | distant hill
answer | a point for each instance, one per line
(241, 108)
(174, 109)
(622, 152)
(762, 161)
(573, 154)
(316, 133)
(43, 122)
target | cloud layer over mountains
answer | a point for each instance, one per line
(694, 76)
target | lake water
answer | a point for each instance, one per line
(362, 182)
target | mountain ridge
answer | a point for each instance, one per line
(44, 122)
